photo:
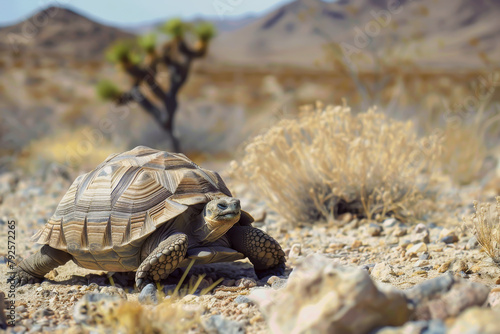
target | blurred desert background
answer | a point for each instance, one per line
(266, 105)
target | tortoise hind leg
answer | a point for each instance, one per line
(262, 250)
(35, 267)
(164, 259)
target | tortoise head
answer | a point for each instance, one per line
(220, 215)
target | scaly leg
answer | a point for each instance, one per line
(263, 251)
(162, 260)
(35, 267)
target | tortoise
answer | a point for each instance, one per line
(150, 211)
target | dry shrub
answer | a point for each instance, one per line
(485, 225)
(465, 153)
(329, 161)
(465, 138)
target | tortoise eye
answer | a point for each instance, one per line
(222, 206)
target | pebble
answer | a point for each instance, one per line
(114, 291)
(448, 236)
(390, 222)
(345, 218)
(149, 294)
(494, 299)
(295, 251)
(416, 249)
(243, 299)
(246, 283)
(400, 231)
(383, 271)
(472, 243)
(218, 324)
(438, 299)
(420, 234)
(356, 244)
(272, 279)
(445, 266)
(374, 230)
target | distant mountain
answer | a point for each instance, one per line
(61, 31)
(439, 34)
(430, 33)
(225, 25)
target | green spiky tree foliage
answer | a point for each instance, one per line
(175, 55)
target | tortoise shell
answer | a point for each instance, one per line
(106, 214)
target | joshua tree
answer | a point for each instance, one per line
(175, 55)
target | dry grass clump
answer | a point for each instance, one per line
(329, 161)
(133, 317)
(485, 225)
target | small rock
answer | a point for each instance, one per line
(448, 236)
(390, 222)
(374, 230)
(114, 291)
(400, 231)
(345, 218)
(246, 283)
(356, 244)
(243, 299)
(494, 298)
(295, 251)
(149, 295)
(383, 271)
(460, 266)
(477, 321)
(445, 266)
(472, 243)
(272, 279)
(218, 324)
(416, 249)
(445, 296)
(420, 234)
(429, 288)
(424, 256)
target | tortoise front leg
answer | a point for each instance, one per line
(263, 251)
(35, 267)
(162, 260)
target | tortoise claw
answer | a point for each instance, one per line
(21, 277)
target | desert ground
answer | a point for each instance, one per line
(381, 182)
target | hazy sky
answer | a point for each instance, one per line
(126, 12)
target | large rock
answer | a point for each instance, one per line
(444, 297)
(323, 297)
(477, 321)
